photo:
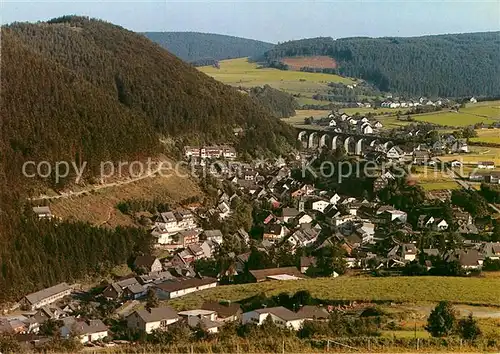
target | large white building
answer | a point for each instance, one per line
(281, 316)
(46, 296)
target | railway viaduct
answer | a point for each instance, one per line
(355, 144)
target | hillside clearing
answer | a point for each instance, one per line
(303, 85)
(319, 62)
(99, 208)
(398, 289)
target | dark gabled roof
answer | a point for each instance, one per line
(281, 312)
(274, 229)
(157, 314)
(409, 248)
(135, 288)
(144, 261)
(222, 310)
(290, 212)
(313, 312)
(307, 261)
(431, 251)
(205, 322)
(45, 293)
(470, 258)
(213, 233)
(171, 286)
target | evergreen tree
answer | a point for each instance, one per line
(468, 328)
(152, 300)
(442, 320)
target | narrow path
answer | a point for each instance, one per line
(96, 188)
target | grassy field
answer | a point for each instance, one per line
(487, 136)
(431, 179)
(240, 72)
(364, 111)
(487, 112)
(432, 186)
(452, 119)
(477, 153)
(301, 114)
(399, 289)
(100, 208)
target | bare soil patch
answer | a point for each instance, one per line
(317, 62)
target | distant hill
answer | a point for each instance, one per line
(194, 46)
(449, 65)
(105, 93)
(86, 91)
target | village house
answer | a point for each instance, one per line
(275, 232)
(335, 199)
(304, 218)
(306, 263)
(210, 152)
(396, 215)
(459, 146)
(116, 290)
(395, 153)
(213, 235)
(486, 164)
(313, 313)
(152, 319)
(288, 214)
(173, 289)
(468, 259)
(303, 237)
(43, 212)
(225, 312)
(204, 318)
(420, 157)
(491, 250)
(148, 264)
(46, 296)
(223, 210)
(186, 238)
(281, 316)
(87, 331)
(320, 205)
(284, 273)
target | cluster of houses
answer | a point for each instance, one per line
(422, 101)
(209, 152)
(213, 315)
(54, 303)
(344, 123)
(57, 303)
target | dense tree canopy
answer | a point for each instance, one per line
(193, 46)
(449, 65)
(279, 103)
(86, 91)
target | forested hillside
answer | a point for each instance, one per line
(279, 103)
(104, 93)
(444, 65)
(193, 46)
(85, 91)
